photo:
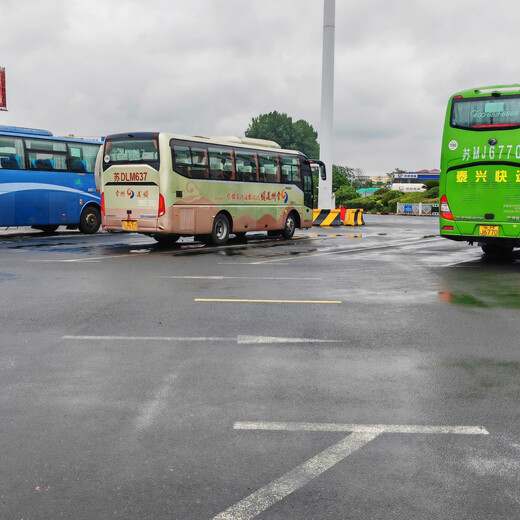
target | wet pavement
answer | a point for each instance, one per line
(368, 372)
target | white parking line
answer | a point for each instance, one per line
(240, 340)
(265, 497)
(153, 408)
(237, 278)
(283, 486)
(366, 428)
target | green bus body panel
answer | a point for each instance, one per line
(481, 180)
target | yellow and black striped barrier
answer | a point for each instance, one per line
(326, 217)
(354, 217)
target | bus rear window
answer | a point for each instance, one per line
(484, 113)
(131, 151)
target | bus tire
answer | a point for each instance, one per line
(47, 229)
(90, 220)
(290, 226)
(221, 229)
(165, 239)
(497, 249)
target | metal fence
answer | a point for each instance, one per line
(417, 208)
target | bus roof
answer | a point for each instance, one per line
(493, 90)
(242, 142)
(23, 130)
(20, 131)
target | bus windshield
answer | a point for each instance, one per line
(132, 151)
(486, 112)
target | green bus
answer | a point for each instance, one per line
(480, 169)
(167, 186)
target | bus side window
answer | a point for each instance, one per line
(181, 156)
(199, 166)
(10, 163)
(47, 155)
(78, 166)
(246, 166)
(12, 156)
(269, 167)
(221, 163)
(290, 169)
(83, 157)
(190, 161)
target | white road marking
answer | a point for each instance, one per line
(263, 340)
(54, 261)
(283, 486)
(248, 300)
(237, 278)
(265, 497)
(362, 428)
(240, 340)
(152, 409)
(147, 338)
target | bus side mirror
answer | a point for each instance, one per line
(321, 166)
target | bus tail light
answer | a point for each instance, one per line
(448, 228)
(103, 204)
(162, 206)
(445, 209)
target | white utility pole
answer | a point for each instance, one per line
(327, 104)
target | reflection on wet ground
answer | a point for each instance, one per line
(7, 277)
(256, 245)
(487, 282)
(484, 374)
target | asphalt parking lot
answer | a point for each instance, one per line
(367, 372)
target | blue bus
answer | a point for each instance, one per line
(47, 181)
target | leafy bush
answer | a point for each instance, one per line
(432, 193)
(365, 203)
(391, 195)
(432, 183)
(385, 200)
(344, 194)
(412, 197)
(392, 205)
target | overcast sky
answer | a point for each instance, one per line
(207, 67)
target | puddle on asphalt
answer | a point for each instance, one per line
(487, 374)
(481, 284)
(8, 277)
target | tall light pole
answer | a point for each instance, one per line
(327, 104)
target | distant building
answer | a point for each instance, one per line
(381, 180)
(413, 181)
(366, 192)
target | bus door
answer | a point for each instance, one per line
(308, 189)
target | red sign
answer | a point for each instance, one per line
(3, 99)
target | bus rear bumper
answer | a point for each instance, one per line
(483, 232)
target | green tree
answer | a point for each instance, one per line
(432, 183)
(289, 135)
(342, 184)
(390, 175)
(345, 193)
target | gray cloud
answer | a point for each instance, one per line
(206, 67)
